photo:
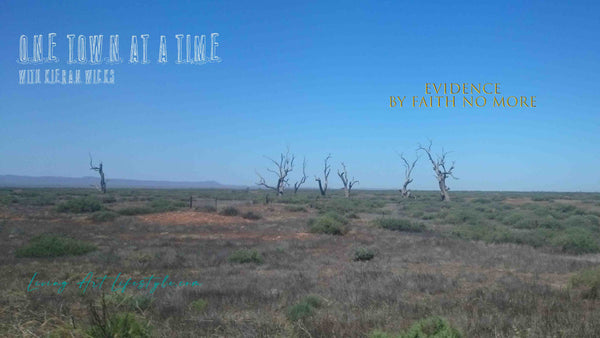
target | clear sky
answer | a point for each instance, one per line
(316, 76)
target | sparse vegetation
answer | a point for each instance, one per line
(330, 223)
(363, 254)
(104, 216)
(246, 256)
(492, 264)
(44, 246)
(230, 211)
(305, 308)
(429, 327)
(80, 205)
(400, 224)
(251, 215)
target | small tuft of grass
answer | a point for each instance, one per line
(199, 305)
(305, 308)
(54, 246)
(246, 256)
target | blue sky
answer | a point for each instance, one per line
(316, 76)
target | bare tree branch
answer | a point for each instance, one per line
(348, 184)
(439, 168)
(282, 168)
(324, 182)
(303, 179)
(408, 168)
(100, 171)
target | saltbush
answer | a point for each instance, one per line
(246, 256)
(54, 246)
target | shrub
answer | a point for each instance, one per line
(429, 327)
(576, 241)
(246, 256)
(54, 246)
(590, 279)
(330, 223)
(305, 308)
(229, 211)
(251, 215)
(399, 224)
(80, 205)
(103, 216)
(199, 305)
(363, 254)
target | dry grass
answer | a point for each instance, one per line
(483, 289)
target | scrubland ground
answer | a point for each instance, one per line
(485, 264)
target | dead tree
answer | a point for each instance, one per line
(282, 169)
(408, 168)
(100, 171)
(348, 184)
(303, 179)
(441, 173)
(323, 182)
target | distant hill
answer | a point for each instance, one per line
(16, 181)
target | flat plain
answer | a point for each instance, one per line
(485, 264)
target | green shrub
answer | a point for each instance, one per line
(230, 211)
(399, 224)
(80, 205)
(305, 308)
(120, 325)
(251, 215)
(576, 241)
(103, 216)
(199, 305)
(590, 279)
(54, 246)
(363, 254)
(331, 223)
(432, 327)
(246, 256)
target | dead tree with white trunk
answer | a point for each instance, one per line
(303, 179)
(348, 184)
(324, 181)
(100, 171)
(408, 168)
(281, 169)
(441, 173)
